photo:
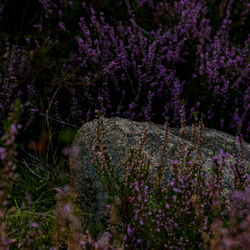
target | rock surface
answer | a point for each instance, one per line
(122, 134)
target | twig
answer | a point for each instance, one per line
(62, 122)
(35, 165)
(47, 111)
(37, 174)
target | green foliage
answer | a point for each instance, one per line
(66, 136)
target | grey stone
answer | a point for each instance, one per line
(122, 134)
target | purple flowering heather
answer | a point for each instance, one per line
(12, 69)
(140, 69)
(126, 59)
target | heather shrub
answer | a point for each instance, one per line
(137, 59)
(143, 74)
(7, 171)
(190, 213)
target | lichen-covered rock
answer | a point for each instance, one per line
(120, 135)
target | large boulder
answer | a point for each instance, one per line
(120, 135)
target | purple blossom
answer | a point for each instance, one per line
(61, 25)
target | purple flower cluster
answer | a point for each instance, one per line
(13, 66)
(124, 55)
(140, 74)
(190, 211)
(141, 69)
(11, 77)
